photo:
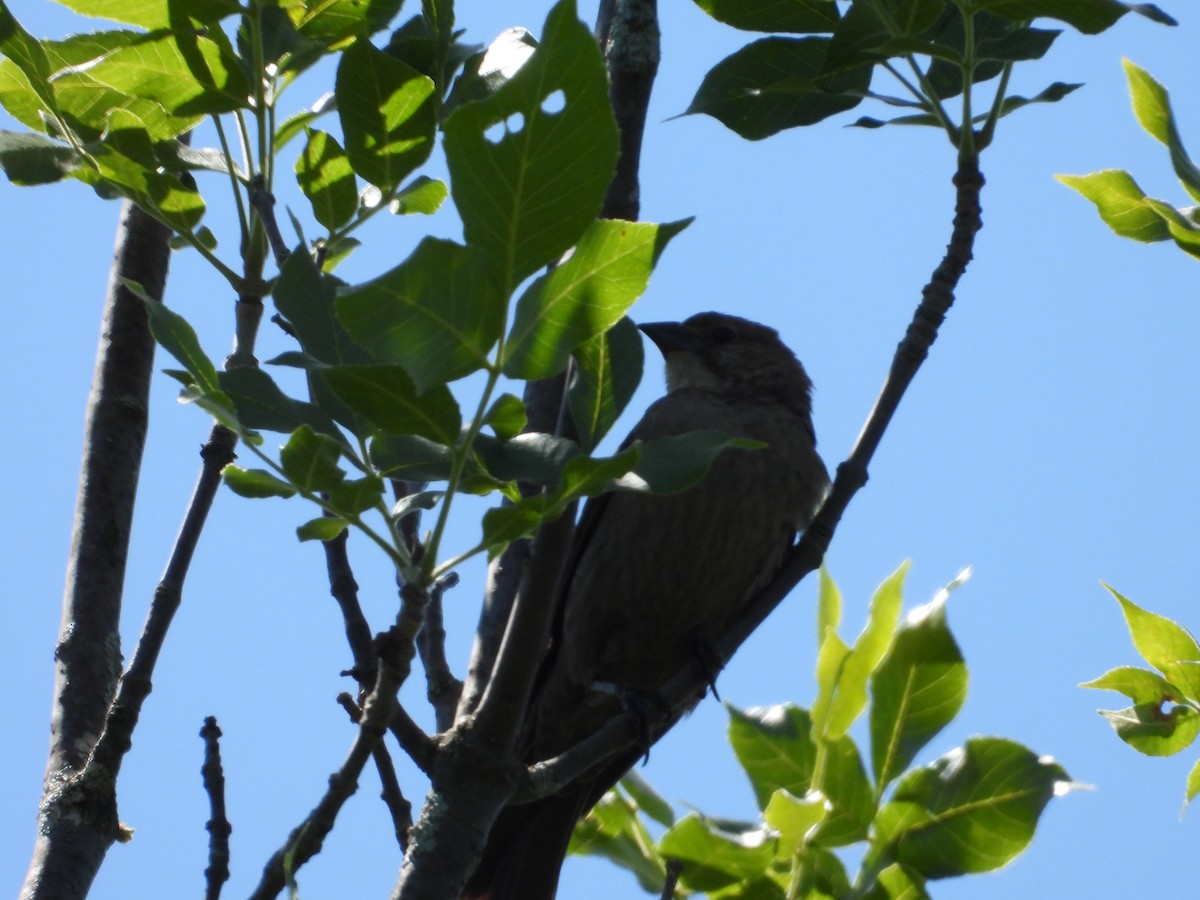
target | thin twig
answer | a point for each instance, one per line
(136, 685)
(218, 826)
(306, 839)
(263, 203)
(393, 798)
(344, 588)
(419, 746)
(442, 689)
(674, 870)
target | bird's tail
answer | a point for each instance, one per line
(524, 853)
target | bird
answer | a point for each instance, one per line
(652, 579)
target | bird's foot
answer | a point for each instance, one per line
(708, 662)
(643, 705)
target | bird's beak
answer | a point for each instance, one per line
(668, 336)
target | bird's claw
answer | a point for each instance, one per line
(639, 703)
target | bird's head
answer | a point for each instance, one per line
(731, 356)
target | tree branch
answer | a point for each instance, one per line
(218, 825)
(475, 773)
(71, 843)
(395, 651)
(629, 37)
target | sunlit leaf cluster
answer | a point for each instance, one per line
(972, 810)
(1165, 716)
(824, 58)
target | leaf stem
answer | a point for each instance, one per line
(243, 220)
(966, 136)
(462, 452)
(989, 126)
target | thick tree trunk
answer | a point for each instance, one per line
(75, 825)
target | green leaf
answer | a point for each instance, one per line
(324, 174)
(607, 271)
(504, 524)
(996, 41)
(178, 338)
(355, 496)
(1183, 229)
(585, 476)
(437, 314)
(485, 71)
(502, 187)
(310, 460)
(794, 16)
(850, 694)
(386, 396)
(1193, 787)
(506, 417)
(1163, 643)
(716, 853)
(325, 528)
(612, 830)
(1051, 94)
(917, 690)
(1121, 204)
(1152, 106)
(1089, 16)
(29, 159)
(794, 817)
(1153, 730)
(388, 114)
(127, 162)
(668, 465)
(829, 607)
(296, 123)
(422, 195)
(256, 483)
(973, 810)
(647, 799)
(168, 79)
(777, 83)
(29, 56)
(852, 798)
(260, 404)
(1139, 685)
(532, 458)
(333, 21)
(607, 371)
(411, 458)
(152, 14)
(775, 747)
(897, 882)
(823, 876)
(306, 299)
(338, 251)
(412, 503)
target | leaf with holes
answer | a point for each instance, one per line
(528, 178)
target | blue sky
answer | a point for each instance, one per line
(1049, 442)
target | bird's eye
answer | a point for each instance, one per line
(723, 334)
